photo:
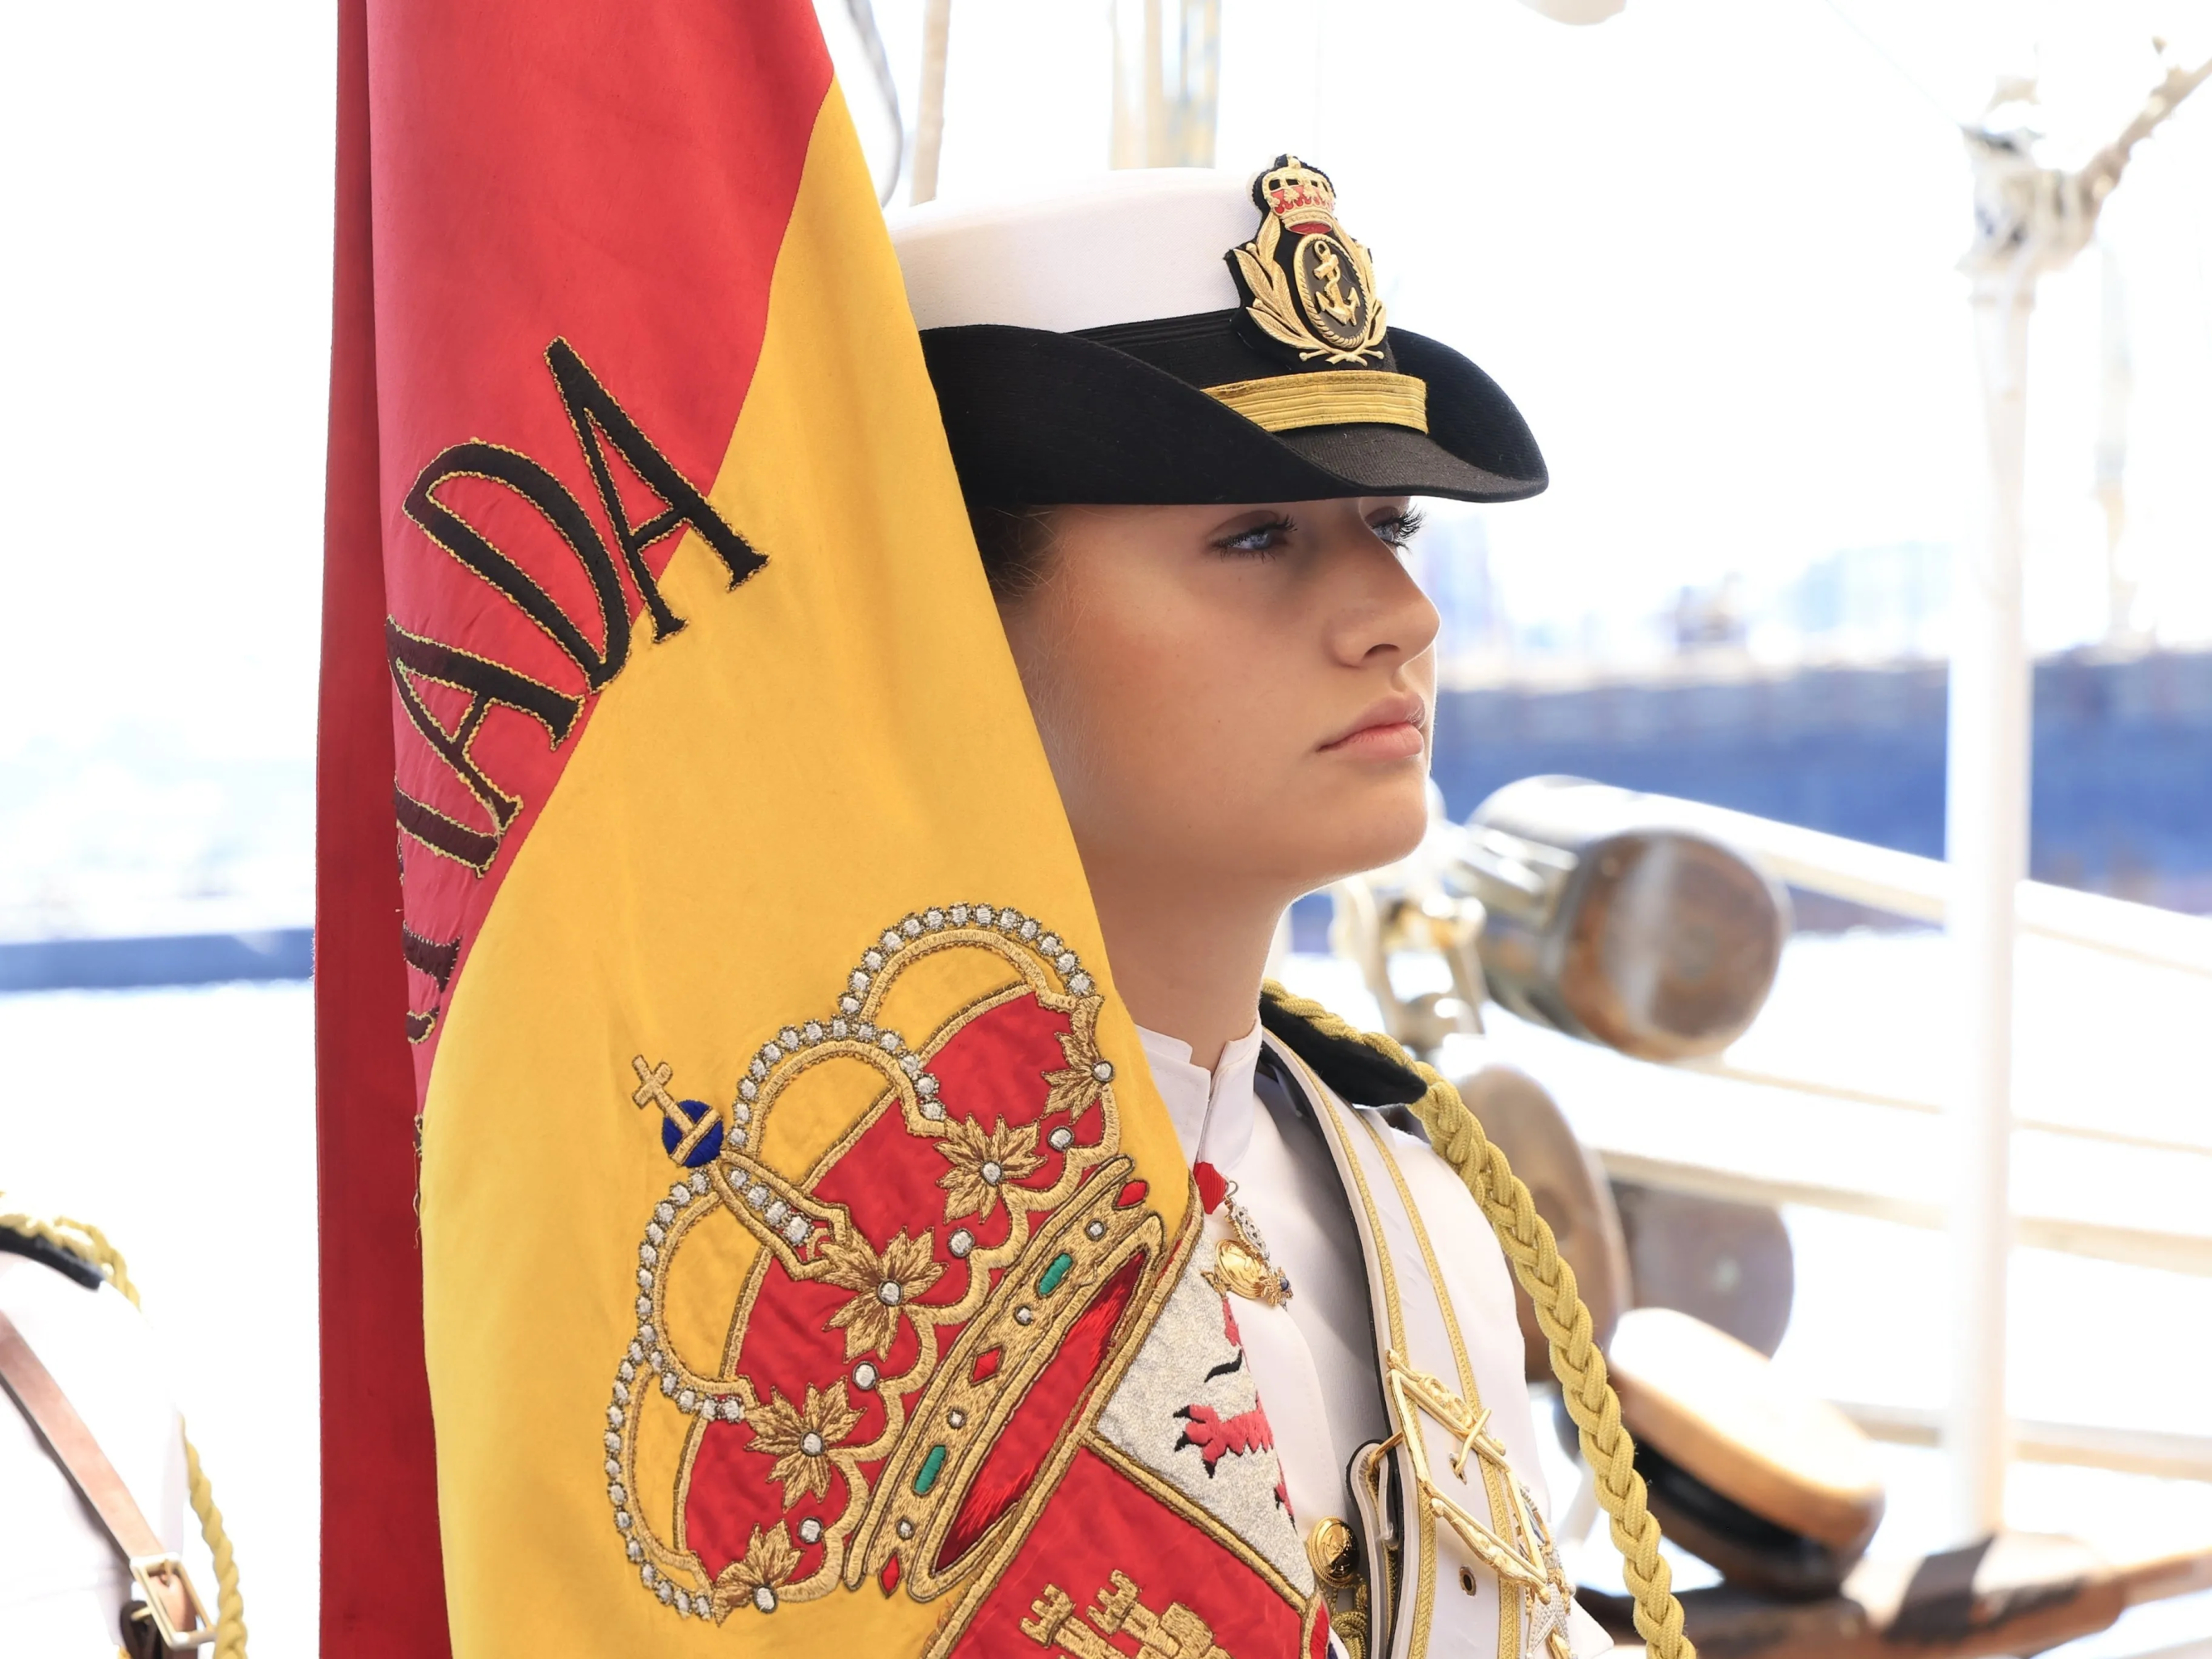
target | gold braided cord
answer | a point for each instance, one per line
(1529, 1245)
(229, 1605)
(89, 1245)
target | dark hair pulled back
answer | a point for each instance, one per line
(1017, 545)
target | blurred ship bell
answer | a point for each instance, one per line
(1582, 906)
(1607, 921)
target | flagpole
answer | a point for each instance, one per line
(929, 113)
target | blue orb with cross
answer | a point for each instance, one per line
(705, 1148)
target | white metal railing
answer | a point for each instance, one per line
(2134, 1247)
(1906, 884)
(1722, 1066)
(2133, 1451)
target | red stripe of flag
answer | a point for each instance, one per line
(617, 177)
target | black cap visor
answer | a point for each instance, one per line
(1037, 418)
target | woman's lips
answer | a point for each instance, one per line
(1395, 729)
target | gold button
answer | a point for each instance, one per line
(1334, 1553)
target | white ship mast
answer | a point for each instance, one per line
(2029, 220)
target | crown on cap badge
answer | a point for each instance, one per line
(1301, 197)
(1307, 285)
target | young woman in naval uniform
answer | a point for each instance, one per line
(1190, 445)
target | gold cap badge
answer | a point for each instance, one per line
(1307, 285)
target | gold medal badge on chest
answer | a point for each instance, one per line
(1306, 283)
(1241, 1266)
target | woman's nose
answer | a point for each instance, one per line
(1379, 610)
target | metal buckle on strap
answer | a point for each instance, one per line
(1528, 1561)
(1415, 1393)
(158, 1578)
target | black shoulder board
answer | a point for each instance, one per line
(52, 1256)
(1355, 1071)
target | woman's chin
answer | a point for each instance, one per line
(1380, 827)
(1391, 849)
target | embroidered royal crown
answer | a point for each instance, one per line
(901, 1288)
(1301, 197)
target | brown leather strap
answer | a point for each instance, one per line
(74, 1447)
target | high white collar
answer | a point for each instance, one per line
(1211, 1111)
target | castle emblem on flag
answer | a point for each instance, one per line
(1307, 285)
(1119, 1608)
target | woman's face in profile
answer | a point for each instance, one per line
(1236, 694)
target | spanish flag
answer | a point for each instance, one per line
(743, 1197)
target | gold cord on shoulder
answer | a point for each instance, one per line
(1529, 1245)
(89, 1245)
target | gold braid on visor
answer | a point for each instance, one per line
(1330, 397)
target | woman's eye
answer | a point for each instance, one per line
(1261, 538)
(1398, 530)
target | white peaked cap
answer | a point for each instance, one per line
(1123, 248)
(1097, 345)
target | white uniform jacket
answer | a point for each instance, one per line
(1387, 1254)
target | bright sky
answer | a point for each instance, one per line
(1707, 246)
(165, 303)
